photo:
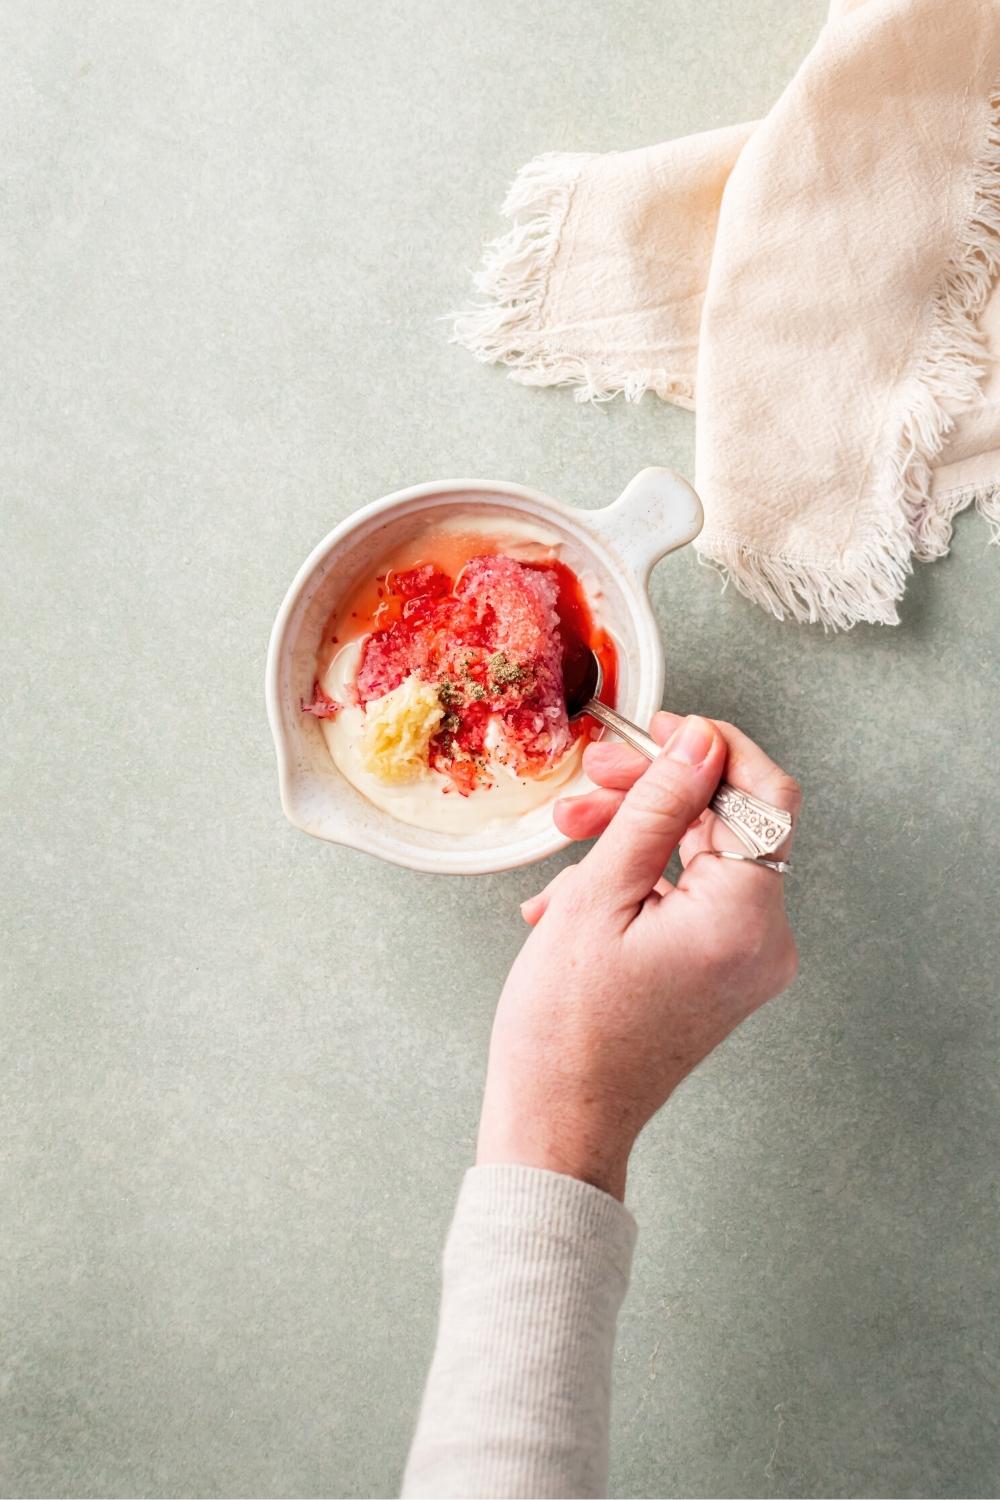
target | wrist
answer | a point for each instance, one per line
(578, 1144)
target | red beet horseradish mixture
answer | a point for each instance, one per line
(440, 683)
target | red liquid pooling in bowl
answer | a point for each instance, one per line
(580, 635)
(497, 638)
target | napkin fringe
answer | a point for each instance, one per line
(954, 362)
(987, 502)
(867, 584)
(514, 280)
(866, 587)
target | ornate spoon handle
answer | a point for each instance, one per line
(756, 824)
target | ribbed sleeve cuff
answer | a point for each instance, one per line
(523, 1208)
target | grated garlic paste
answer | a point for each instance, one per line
(398, 729)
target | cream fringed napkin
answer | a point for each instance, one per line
(818, 285)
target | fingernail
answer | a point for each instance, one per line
(690, 742)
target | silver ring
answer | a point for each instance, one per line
(779, 866)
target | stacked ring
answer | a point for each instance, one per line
(779, 866)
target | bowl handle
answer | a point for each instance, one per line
(655, 514)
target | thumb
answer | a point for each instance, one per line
(630, 856)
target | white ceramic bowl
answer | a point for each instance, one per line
(613, 548)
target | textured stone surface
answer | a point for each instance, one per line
(242, 1068)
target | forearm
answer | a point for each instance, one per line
(519, 1393)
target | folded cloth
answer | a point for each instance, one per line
(817, 284)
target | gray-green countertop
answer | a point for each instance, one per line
(241, 1069)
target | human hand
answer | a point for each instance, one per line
(626, 982)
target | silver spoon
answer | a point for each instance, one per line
(757, 824)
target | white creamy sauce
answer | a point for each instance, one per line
(430, 800)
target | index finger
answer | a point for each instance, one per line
(751, 769)
(748, 769)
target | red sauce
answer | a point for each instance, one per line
(426, 614)
(580, 635)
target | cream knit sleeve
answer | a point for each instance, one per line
(518, 1398)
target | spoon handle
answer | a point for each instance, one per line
(623, 728)
(756, 824)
